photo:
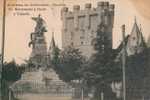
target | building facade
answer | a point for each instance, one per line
(80, 26)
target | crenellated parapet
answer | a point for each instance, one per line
(79, 26)
(88, 6)
(102, 5)
(103, 9)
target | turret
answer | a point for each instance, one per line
(88, 6)
(111, 13)
(111, 7)
(106, 5)
(76, 8)
(64, 10)
(100, 5)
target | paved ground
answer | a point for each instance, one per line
(42, 97)
(45, 97)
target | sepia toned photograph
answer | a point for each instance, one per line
(74, 50)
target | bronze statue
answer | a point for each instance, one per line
(40, 25)
(39, 30)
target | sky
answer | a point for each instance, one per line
(18, 28)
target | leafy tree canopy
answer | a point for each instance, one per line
(11, 71)
(70, 62)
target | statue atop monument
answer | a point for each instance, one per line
(40, 25)
(38, 42)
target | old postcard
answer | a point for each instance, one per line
(74, 50)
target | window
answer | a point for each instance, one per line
(72, 35)
(92, 34)
(72, 43)
(81, 37)
(82, 34)
(134, 38)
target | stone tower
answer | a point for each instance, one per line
(80, 26)
(38, 56)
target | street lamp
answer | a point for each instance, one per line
(124, 63)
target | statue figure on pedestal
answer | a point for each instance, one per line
(38, 42)
(40, 25)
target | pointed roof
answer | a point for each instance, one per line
(136, 43)
(52, 44)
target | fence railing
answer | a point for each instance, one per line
(51, 89)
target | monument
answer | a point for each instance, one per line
(38, 56)
(39, 78)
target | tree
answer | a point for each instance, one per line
(70, 62)
(55, 58)
(137, 74)
(100, 71)
(11, 73)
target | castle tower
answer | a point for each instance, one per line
(80, 26)
(136, 43)
(39, 49)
